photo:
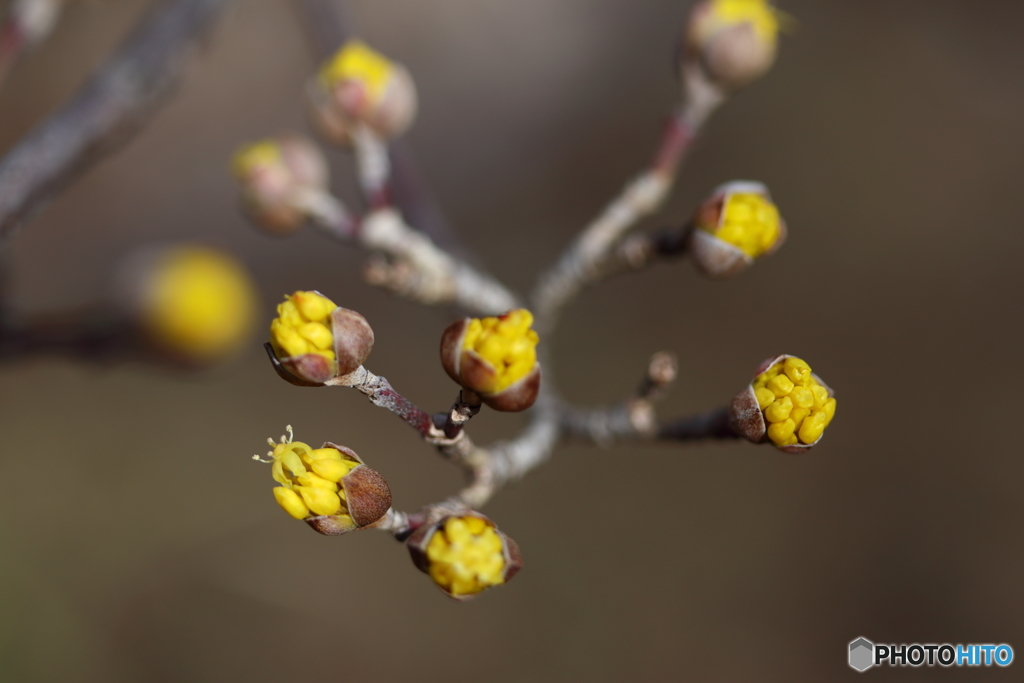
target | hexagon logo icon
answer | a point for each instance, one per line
(862, 654)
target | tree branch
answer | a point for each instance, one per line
(105, 112)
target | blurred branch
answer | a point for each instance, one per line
(89, 334)
(107, 110)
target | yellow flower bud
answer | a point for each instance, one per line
(360, 86)
(733, 41)
(495, 358)
(735, 226)
(786, 404)
(329, 488)
(464, 554)
(313, 340)
(195, 303)
(278, 178)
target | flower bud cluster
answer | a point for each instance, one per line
(328, 487)
(494, 357)
(316, 340)
(301, 326)
(465, 554)
(796, 405)
(359, 86)
(736, 225)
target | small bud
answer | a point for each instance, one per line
(359, 86)
(315, 340)
(495, 358)
(735, 226)
(786, 404)
(464, 554)
(194, 303)
(329, 487)
(733, 42)
(279, 177)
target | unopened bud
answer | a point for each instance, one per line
(329, 487)
(464, 554)
(359, 86)
(734, 227)
(785, 404)
(279, 179)
(495, 358)
(315, 340)
(732, 41)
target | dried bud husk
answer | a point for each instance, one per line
(747, 417)
(279, 178)
(353, 339)
(360, 87)
(475, 373)
(718, 257)
(419, 544)
(367, 499)
(732, 42)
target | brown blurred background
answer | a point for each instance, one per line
(138, 542)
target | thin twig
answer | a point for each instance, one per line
(581, 264)
(711, 425)
(631, 419)
(104, 114)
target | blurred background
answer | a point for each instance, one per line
(139, 542)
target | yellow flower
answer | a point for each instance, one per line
(356, 62)
(303, 326)
(465, 554)
(198, 303)
(494, 357)
(797, 407)
(318, 483)
(758, 13)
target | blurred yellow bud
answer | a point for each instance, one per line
(359, 86)
(197, 303)
(733, 41)
(736, 225)
(280, 178)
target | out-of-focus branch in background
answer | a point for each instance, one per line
(105, 112)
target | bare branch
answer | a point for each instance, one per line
(633, 418)
(104, 114)
(581, 264)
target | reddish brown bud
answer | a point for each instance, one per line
(494, 358)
